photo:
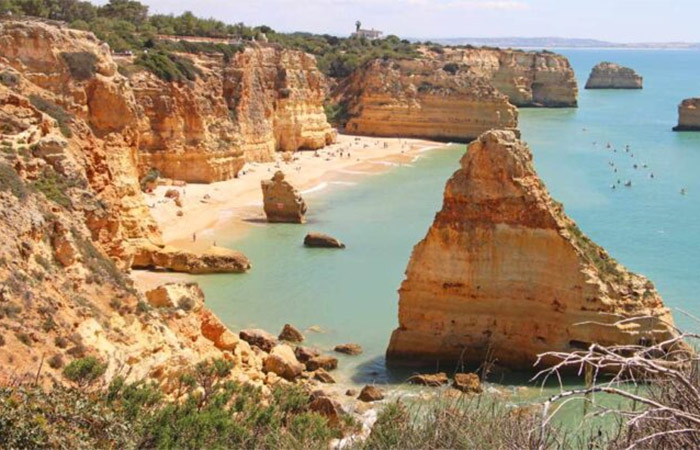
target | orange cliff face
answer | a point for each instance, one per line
(416, 98)
(504, 270)
(265, 99)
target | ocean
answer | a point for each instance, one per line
(350, 295)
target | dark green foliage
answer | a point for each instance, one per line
(217, 414)
(99, 263)
(56, 361)
(55, 111)
(8, 78)
(11, 182)
(2, 340)
(151, 176)
(451, 68)
(337, 113)
(169, 67)
(85, 371)
(24, 338)
(82, 65)
(54, 186)
(9, 310)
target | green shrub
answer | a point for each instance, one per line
(169, 67)
(24, 338)
(56, 361)
(151, 176)
(84, 371)
(54, 186)
(11, 182)
(8, 78)
(82, 65)
(451, 68)
(337, 113)
(55, 111)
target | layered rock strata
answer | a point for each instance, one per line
(212, 260)
(688, 115)
(607, 75)
(529, 79)
(281, 201)
(503, 271)
(415, 98)
(265, 99)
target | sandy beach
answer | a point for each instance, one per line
(237, 202)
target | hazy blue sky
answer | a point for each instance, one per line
(614, 20)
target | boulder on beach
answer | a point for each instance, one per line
(370, 394)
(349, 349)
(320, 240)
(290, 333)
(323, 376)
(304, 354)
(607, 75)
(259, 338)
(468, 383)
(281, 361)
(281, 201)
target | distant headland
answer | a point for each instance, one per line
(558, 42)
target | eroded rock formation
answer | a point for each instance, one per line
(281, 201)
(212, 260)
(688, 115)
(607, 75)
(265, 99)
(416, 98)
(542, 78)
(503, 269)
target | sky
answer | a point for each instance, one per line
(611, 20)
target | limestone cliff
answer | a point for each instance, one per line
(541, 78)
(607, 75)
(689, 115)
(265, 99)
(503, 269)
(416, 98)
(63, 101)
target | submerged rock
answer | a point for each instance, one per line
(323, 376)
(435, 379)
(321, 240)
(281, 201)
(504, 271)
(349, 349)
(322, 362)
(370, 394)
(607, 75)
(304, 354)
(688, 115)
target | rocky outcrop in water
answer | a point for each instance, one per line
(281, 201)
(321, 240)
(504, 270)
(212, 260)
(688, 115)
(607, 75)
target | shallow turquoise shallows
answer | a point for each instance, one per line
(351, 294)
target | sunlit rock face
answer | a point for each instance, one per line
(607, 75)
(689, 115)
(504, 270)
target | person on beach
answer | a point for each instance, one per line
(194, 237)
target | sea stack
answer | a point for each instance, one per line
(504, 270)
(281, 201)
(688, 115)
(607, 75)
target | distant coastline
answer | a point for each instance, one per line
(568, 43)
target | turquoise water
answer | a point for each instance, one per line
(351, 294)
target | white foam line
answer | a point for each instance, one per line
(356, 172)
(344, 183)
(318, 187)
(427, 149)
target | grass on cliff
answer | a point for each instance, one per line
(54, 186)
(82, 65)
(169, 67)
(52, 109)
(11, 182)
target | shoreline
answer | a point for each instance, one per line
(236, 204)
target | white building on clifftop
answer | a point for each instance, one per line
(367, 34)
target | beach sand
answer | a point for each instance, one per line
(237, 203)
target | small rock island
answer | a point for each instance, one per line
(282, 201)
(607, 75)
(688, 115)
